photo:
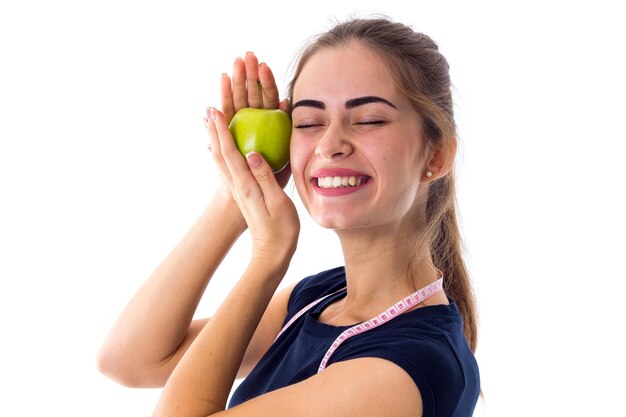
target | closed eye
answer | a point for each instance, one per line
(372, 122)
(364, 123)
(307, 125)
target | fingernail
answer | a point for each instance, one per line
(212, 113)
(254, 160)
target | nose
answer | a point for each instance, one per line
(334, 144)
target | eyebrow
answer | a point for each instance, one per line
(309, 103)
(350, 104)
(366, 100)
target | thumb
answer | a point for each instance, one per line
(264, 176)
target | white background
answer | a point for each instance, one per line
(104, 166)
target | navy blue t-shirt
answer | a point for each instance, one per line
(428, 343)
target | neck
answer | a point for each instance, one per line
(377, 270)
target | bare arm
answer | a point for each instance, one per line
(146, 339)
(156, 328)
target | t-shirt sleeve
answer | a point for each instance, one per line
(429, 361)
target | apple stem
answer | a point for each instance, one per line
(258, 83)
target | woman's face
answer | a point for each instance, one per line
(356, 146)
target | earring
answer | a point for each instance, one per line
(429, 174)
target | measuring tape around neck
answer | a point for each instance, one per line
(389, 314)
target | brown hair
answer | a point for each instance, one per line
(422, 74)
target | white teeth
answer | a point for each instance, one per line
(337, 182)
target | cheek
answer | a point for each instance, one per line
(295, 153)
(387, 156)
(300, 154)
(400, 161)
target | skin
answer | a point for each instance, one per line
(381, 140)
(200, 359)
(156, 328)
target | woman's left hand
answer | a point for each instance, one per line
(270, 214)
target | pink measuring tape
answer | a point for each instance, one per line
(392, 312)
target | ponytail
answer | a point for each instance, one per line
(446, 252)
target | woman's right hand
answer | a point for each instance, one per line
(155, 329)
(243, 91)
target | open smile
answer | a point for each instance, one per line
(338, 186)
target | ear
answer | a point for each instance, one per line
(441, 160)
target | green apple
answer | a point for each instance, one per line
(266, 131)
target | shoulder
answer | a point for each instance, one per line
(429, 345)
(340, 391)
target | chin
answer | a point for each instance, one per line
(338, 223)
(330, 222)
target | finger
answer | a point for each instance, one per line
(284, 105)
(216, 152)
(266, 180)
(226, 92)
(240, 96)
(270, 90)
(252, 80)
(244, 187)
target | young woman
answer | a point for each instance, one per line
(392, 332)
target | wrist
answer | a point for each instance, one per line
(272, 263)
(224, 204)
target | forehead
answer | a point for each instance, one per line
(345, 71)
